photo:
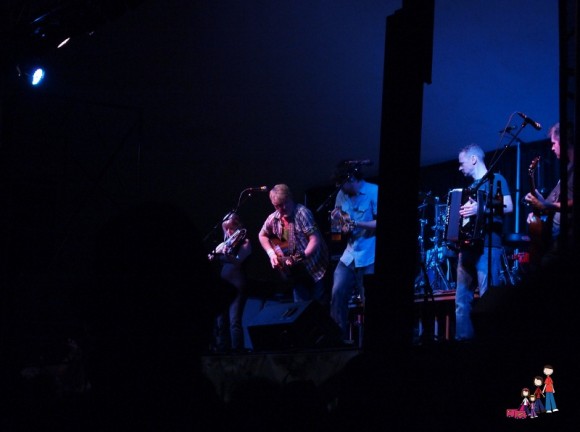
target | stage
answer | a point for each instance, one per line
(316, 366)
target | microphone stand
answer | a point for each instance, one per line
(212, 232)
(491, 206)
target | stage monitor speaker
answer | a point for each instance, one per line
(288, 326)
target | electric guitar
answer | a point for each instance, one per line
(539, 225)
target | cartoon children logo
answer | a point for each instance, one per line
(531, 404)
(532, 409)
(548, 389)
(538, 393)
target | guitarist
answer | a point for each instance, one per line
(551, 205)
(306, 257)
(357, 204)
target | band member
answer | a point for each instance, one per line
(295, 246)
(472, 264)
(548, 209)
(357, 202)
(232, 253)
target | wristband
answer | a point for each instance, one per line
(271, 253)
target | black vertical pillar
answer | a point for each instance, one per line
(407, 67)
(569, 111)
(568, 17)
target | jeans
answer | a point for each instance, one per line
(550, 402)
(348, 281)
(230, 333)
(305, 289)
(472, 272)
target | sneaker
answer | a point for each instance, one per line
(549, 411)
(555, 409)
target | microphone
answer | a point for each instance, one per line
(507, 129)
(257, 189)
(358, 162)
(535, 124)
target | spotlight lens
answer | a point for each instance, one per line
(37, 76)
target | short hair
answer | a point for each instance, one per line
(280, 193)
(473, 149)
(554, 134)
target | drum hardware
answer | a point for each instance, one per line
(432, 275)
(507, 274)
(422, 283)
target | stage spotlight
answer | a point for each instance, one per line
(33, 75)
(37, 76)
(63, 43)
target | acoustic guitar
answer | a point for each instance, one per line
(287, 261)
(341, 225)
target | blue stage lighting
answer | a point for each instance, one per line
(37, 76)
(33, 75)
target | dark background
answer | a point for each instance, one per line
(191, 102)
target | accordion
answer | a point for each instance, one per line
(464, 231)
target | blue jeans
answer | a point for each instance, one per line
(230, 333)
(348, 280)
(306, 289)
(550, 402)
(472, 272)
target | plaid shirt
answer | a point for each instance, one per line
(304, 225)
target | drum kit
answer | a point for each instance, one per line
(437, 263)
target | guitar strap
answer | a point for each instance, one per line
(291, 239)
(289, 234)
(555, 196)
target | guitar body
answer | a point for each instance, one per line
(341, 225)
(539, 226)
(288, 262)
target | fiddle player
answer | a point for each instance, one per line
(472, 264)
(231, 254)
